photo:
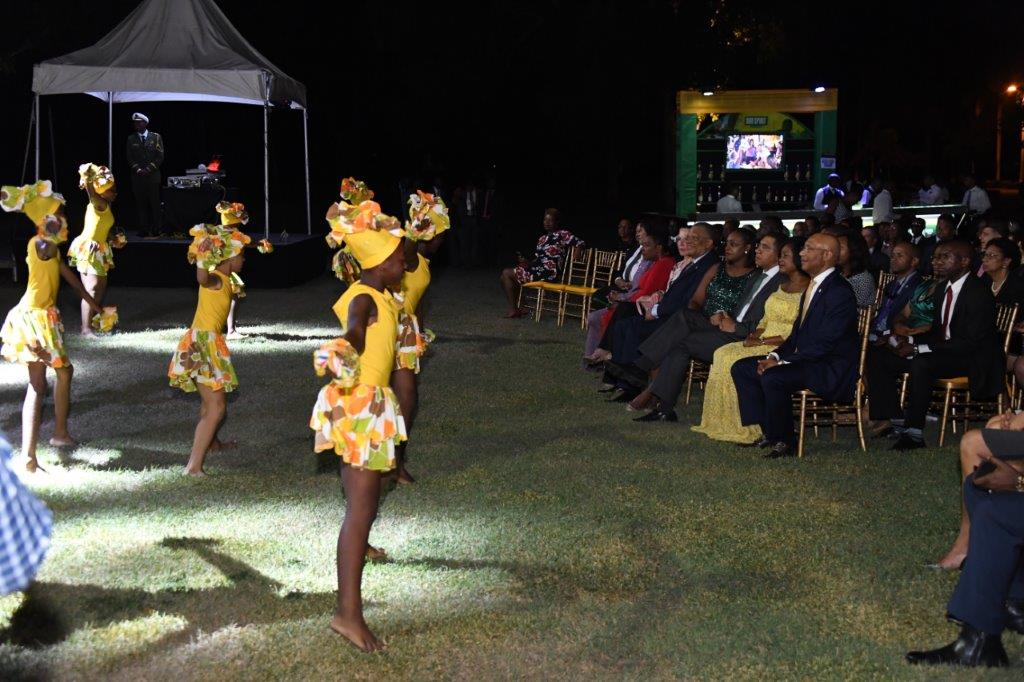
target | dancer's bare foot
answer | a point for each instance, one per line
(514, 313)
(198, 473)
(32, 466)
(235, 335)
(88, 332)
(64, 441)
(374, 554)
(356, 632)
(953, 559)
(404, 477)
(642, 401)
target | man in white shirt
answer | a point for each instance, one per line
(962, 341)
(729, 203)
(834, 187)
(930, 193)
(975, 198)
(881, 202)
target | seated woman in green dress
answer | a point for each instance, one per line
(720, 419)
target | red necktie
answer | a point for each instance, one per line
(947, 311)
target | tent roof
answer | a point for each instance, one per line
(171, 50)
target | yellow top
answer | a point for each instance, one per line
(43, 278)
(415, 283)
(378, 357)
(212, 311)
(780, 310)
(97, 224)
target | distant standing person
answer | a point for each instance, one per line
(975, 198)
(145, 155)
(730, 203)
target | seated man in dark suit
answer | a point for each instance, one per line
(963, 341)
(630, 332)
(820, 353)
(904, 265)
(989, 597)
(690, 334)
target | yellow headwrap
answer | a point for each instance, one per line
(428, 217)
(38, 201)
(370, 235)
(213, 244)
(99, 176)
(232, 213)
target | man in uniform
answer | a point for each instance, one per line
(145, 154)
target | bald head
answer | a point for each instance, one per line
(820, 252)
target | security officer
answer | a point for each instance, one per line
(145, 154)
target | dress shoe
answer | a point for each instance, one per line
(762, 443)
(1015, 616)
(905, 442)
(629, 374)
(973, 648)
(658, 416)
(780, 450)
(883, 433)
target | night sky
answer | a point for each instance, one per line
(569, 103)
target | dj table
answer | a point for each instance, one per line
(183, 208)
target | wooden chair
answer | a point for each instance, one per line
(824, 413)
(884, 279)
(956, 393)
(698, 372)
(574, 295)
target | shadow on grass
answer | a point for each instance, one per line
(51, 612)
(489, 344)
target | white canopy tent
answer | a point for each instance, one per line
(175, 50)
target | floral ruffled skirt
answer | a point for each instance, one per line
(363, 424)
(34, 335)
(202, 358)
(411, 343)
(91, 257)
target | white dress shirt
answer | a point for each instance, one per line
(814, 287)
(729, 204)
(881, 210)
(976, 199)
(144, 134)
(766, 277)
(956, 286)
(930, 196)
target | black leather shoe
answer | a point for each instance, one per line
(658, 416)
(780, 450)
(630, 374)
(1015, 616)
(905, 442)
(973, 648)
(763, 443)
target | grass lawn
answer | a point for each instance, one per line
(549, 536)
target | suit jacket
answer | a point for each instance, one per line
(148, 153)
(756, 310)
(682, 290)
(901, 301)
(826, 340)
(972, 334)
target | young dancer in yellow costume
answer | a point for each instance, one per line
(91, 253)
(202, 361)
(32, 333)
(357, 414)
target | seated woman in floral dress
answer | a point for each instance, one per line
(552, 248)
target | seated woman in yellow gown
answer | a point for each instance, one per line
(720, 419)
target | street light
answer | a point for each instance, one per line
(708, 93)
(820, 89)
(1011, 89)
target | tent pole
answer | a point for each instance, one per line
(110, 131)
(28, 143)
(266, 172)
(305, 141)
(37, 136)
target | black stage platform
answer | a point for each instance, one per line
(161, 262)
